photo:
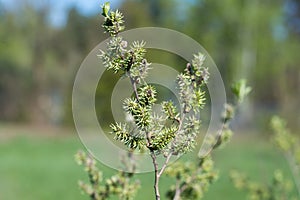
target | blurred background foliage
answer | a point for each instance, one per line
(257, 40)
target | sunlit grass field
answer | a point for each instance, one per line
(37, 164)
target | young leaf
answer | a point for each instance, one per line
(241, 90)
(105, 9)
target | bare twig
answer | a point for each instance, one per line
(156, 175)
(165, 164)
(177, 190)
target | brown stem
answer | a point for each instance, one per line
(183, 186)
(155, 165)
(180, 189)
(159, 173)
(152, 153)
(156, 176)
(165, 164)
(218, 139)
(212, 147)
(181, 121)
(133, 83)
(170, 154)
(177, 191)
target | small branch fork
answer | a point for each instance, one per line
(152, 153)
(182, 187)
(158, 172)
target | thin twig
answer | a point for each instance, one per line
(133, 83)
(213, 145)
(177, 190)
(181, 188)
(152, 153)
(165, 164)
(170, 153)
(156, 176)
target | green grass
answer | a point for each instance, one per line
(35, 168)
(42, 167)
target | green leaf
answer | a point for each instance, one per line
(105, 9)
(241, 90)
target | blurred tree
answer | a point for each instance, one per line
(39, 38)
(257, 40)
(14, 61)
(76, 40)
(249, 39)
(142, 13)
(137, 14)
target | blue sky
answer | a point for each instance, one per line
(59, 8)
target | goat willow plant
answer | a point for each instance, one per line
(119, 184)
(288, 143)
(168, 134)
(280, 187)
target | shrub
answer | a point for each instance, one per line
(280, 187)
(170, 133)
